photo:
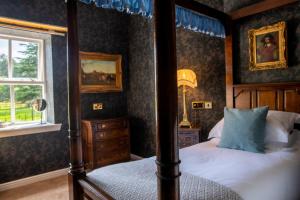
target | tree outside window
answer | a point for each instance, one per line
(21, 79)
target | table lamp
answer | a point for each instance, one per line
(185, 77)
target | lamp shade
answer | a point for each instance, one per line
(186, 77)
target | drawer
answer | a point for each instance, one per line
(112, 157)
(186, 140)
(111, 134)
(189, 138)
(185, 144)
(122, 123)
(112, 145)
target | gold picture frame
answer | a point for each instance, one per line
(268, 47)
(100, 72)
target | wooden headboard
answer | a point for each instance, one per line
(278, 96)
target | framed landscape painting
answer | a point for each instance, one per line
(268, 47)
(100, 72)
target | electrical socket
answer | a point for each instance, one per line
(200, 105)
(97, 106)
(196, 105)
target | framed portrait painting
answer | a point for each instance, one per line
(268, 47)
(100, 72)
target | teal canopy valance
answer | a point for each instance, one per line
(184, 17)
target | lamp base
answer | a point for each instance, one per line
(185, 124)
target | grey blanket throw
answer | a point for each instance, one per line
(137, 181)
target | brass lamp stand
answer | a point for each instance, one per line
(185, 77)
(185, 122)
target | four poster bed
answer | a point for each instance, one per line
(208, 172)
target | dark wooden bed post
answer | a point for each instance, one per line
(166, 70)
(76, 164)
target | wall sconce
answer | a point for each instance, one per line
(185, 77)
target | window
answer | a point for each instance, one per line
(22, 77)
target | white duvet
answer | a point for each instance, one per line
(274, 175)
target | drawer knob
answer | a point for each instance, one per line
(103, 126)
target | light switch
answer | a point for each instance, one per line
(208, 105)
(97, 106)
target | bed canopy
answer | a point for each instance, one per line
(167, 14)
(165, 20)
(184, 18)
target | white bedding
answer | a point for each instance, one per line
(274, 175)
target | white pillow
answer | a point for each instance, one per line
(216, 131)
(278, 127)
(287, 119)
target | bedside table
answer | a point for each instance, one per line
(188, 137)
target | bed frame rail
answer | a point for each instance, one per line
(92, 192)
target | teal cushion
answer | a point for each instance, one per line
(244, 129)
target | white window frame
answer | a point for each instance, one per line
(40, 80)
(46, 79)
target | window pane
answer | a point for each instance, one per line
(3, 58)
(25, 59)
(4, 103)
(24, 95)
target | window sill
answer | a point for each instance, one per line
(27, 129)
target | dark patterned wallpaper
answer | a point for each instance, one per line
(217, 4)
(102, 30)
(232, 5)
(48, 12)
(205, 56)
(192, 51)
(29, 155)
(291, 15)
(32, 154)
(141, 91)
(24, 156)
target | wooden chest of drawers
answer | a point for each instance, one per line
(105, 142)
(188, 137)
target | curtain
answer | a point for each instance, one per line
(184, 18)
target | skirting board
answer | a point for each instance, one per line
(43, 177)
(33, 179)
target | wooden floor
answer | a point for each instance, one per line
(53, 189)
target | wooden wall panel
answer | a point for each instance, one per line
(292, 101)
(243, 99)
(267, 98)
(278, 96)
(254, 99)
(280, 100)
